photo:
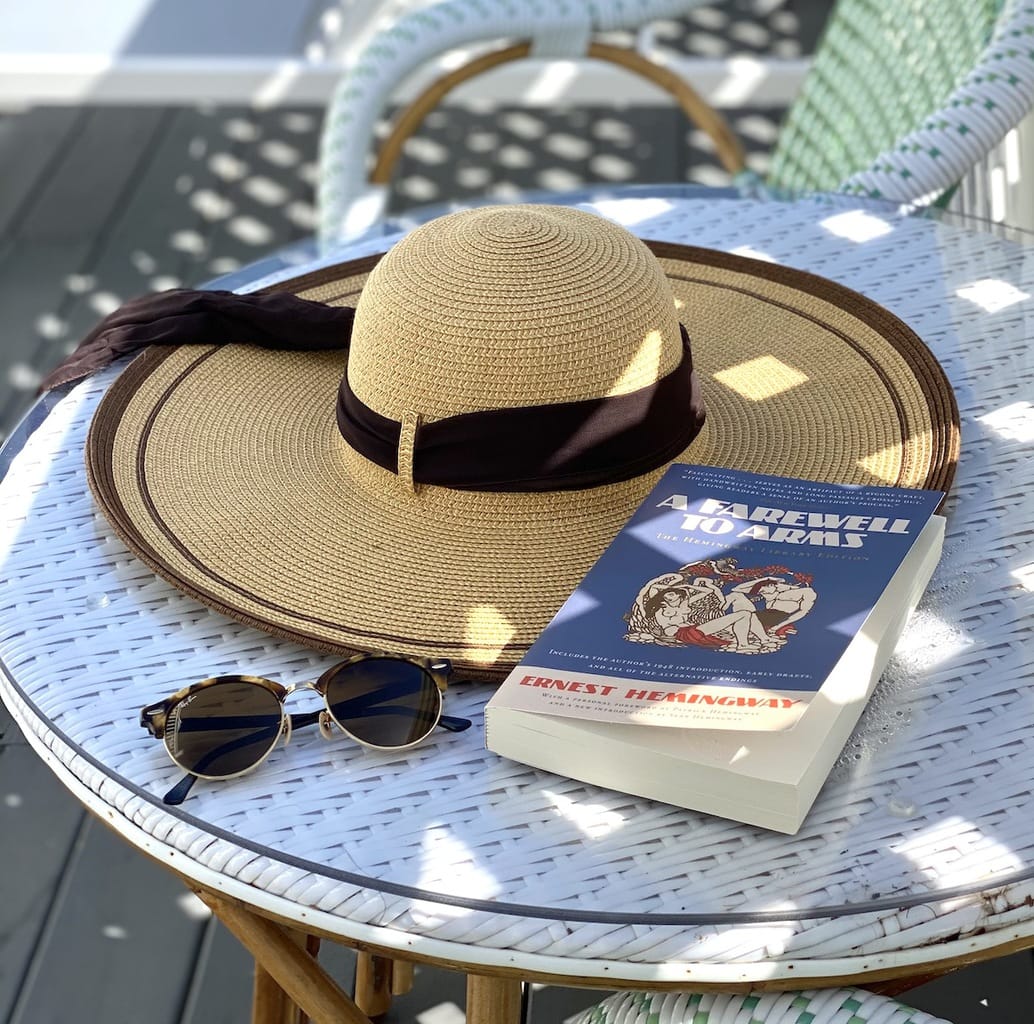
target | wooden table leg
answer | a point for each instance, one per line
(401, 977)
(303, 980)
(270, 1004)
(377, 980)
(493, 1000)
(373, 984)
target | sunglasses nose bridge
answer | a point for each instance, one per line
(295, 687)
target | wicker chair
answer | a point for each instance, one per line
(847, 1005)
(902, 100)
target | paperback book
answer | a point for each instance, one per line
(722, 648)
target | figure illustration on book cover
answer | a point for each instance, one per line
(717, 605)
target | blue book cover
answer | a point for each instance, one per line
(725, 602)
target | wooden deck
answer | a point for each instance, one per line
(98, 205)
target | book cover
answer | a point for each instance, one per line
(725, 602)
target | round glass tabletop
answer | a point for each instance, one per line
(928, 804)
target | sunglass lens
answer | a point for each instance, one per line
(224, 729)
(386, 702)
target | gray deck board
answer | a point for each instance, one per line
(118, 937)
(39, 825)
(27, 149)
(83, 192)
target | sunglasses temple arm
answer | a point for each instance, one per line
(300, 721)
(453, 723)
(179, 792)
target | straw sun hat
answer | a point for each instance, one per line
(517, 380)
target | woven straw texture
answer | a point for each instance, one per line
(920, 846)
(225, 471)
(827, 1006)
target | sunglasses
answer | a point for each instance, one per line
(227, 726)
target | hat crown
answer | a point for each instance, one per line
(511, 306)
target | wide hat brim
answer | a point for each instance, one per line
(223, 469)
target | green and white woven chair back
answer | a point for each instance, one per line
(821, 1006)
(905, 96)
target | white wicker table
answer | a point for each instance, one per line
(918, 855)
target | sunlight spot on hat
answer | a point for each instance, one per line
(644, 365)
(488, 629)
(592, 820)
(856, 226)
(1012, 422)
(1025, 576)
(761, 378)
(991, 294)
(885, 465)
